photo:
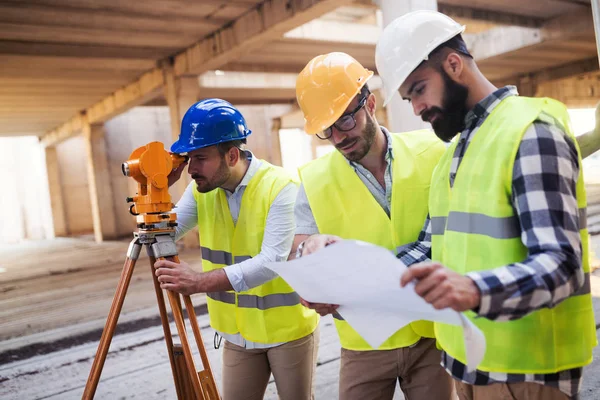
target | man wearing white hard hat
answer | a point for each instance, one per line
(507, 231)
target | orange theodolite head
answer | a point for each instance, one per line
(150, 166)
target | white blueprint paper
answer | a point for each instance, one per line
(365, 281)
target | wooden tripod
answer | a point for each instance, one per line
(189, 384)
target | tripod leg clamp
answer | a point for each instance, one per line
(164, 247)
(133, 252)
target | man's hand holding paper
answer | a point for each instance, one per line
(364, 280)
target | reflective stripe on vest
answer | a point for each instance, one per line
(221, 257)
(258, 302)
(480, 224)
(268, 313)
(331, 178)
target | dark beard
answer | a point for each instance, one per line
(451, 117)
(218, 179)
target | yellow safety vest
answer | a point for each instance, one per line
(271, 312)
(474, 228)
(343, 206)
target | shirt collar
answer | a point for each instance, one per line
(250, 172)
(486, 105)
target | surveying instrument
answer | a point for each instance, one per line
(150, 166)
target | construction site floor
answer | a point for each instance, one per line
(54, 299)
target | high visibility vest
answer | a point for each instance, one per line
(474, 228)
(343, 206)
(271, 312)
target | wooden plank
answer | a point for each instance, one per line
(271, 20)
(46, 63)
(197, 9)
(497, 17)
(538, 8)
(66, 82)
(64, 34)
(564, 27)
(83, 50)
(70, 128)
(101, 198)
(31, 71)
(147, 87)
(22, 13)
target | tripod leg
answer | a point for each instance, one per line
(207, 378)
(111, 322)
(171, 349)
(187, 352)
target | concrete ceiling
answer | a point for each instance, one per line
(61, 57)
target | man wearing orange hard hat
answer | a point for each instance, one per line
(373, 188)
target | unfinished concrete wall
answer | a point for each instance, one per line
(72, 163)
(263, 142)
(24, 202)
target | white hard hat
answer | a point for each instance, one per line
(406, 42)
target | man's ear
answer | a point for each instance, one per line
(371, 104)
(454, 66)
(233, 156)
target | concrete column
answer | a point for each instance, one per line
(101, 197)
(57, 205)
(401, 117)
(180, 95)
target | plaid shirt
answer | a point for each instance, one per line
(544, 186)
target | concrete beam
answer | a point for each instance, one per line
(336, 31)
(270, 20)
(72, 127)
(503, 40)
(573, 69)
(496, 17)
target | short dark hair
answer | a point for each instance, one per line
(224, 147)
(456, 43)
(364, 91)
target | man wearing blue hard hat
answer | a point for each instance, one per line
(244, 209)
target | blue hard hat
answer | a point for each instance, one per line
(210, 122)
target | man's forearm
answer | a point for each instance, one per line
(213, 281)
(589, 143)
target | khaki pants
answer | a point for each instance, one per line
(508, 391)
(246, 373)
(372, 375)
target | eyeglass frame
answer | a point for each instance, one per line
(352, 113)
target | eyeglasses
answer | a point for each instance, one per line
(345, 123)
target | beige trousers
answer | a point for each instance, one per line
(246, 373)
(508, 391)
(373, 374)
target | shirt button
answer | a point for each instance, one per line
(452, 175)
(368, 175)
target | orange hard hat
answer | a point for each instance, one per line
(325, 88)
